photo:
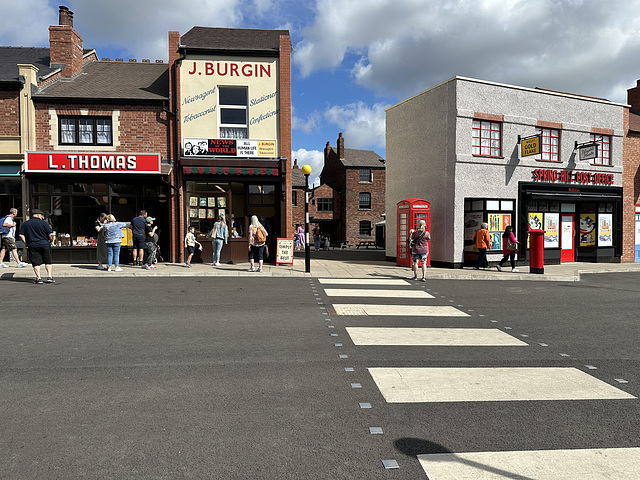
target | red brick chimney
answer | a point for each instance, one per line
(633, 97)
(295, 163)
(340, 146)
(65, 45)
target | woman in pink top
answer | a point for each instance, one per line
(506, 252)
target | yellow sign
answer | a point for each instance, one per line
(530, 146)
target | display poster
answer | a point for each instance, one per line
(535, 220)
(472, 221)
(284, 251)
(551, 234)
(605, 237)
(193, 212)
(211, 213)
(193, 201)
(203, 201)
(496, 240)
(202, 213)
(211, 201)
(498, 221)
(587, 229)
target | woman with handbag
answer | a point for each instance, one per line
(219, 235)
(509, 249)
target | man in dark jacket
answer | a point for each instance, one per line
(37, 236)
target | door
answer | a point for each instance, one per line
(402, 251)
(568, 237)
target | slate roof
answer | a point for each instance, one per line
(634, 122)
(10, 57)
(297, 178)
(112, 81)
(362, 158)
(233, 39)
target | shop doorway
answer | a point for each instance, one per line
(568, 238)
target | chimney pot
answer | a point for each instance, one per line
(105, 59)
(159, 61)
(146, 60)
(65, 16)
(119, 60)
(133, 60)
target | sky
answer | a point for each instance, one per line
(352, 59)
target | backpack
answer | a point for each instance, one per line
(261, 235)
(3, 230)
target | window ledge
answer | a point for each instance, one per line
(486, 156)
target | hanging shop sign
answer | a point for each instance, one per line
(587, 151)
(530, 146)
(571, 176)
(229, 147)
(96, 162)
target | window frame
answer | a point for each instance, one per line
(368, 172)
(77, 119)
(222, 107)
(476, 140)
(546, 136)
(360, 203)
(324, 204)
(369, 229)
(599, 160)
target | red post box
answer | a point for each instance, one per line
(536, 251)
(409, 212)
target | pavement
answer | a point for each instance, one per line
(344, 263)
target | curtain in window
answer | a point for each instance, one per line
(85, 131)
(67, 131)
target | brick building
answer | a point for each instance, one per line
(101, 144)
(357, 178)
(631, 179)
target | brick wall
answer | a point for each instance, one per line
(353, 214)
(9, 113)
(140, 128)
(630, 188)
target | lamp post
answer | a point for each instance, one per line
(306, 170)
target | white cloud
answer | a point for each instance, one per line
(313, 158)
(405, 46)
(363, 126)
(15, 31)
(307, 125)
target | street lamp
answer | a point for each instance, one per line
(306, 170)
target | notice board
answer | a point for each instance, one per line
(284, 251)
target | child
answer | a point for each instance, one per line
(190, 243)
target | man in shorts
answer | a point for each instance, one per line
(38, 235)
(9, 239)
(138, 229)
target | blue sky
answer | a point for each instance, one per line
(354, 58)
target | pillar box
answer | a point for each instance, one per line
(536, 251)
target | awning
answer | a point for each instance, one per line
(231, 171)
(10, 169)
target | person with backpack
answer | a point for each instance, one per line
(419, 244)
(257, 240)
(8, 241)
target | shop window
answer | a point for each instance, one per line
(365, 201)
(85, 130)
(365, 228)
(325, 204)
(550, 144)
(497, 213)
(604, 149)
(262, 195)
(365, 175)
(233, 112)
(486, 138)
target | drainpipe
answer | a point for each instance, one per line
(176, 141)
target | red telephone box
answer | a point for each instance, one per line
(409, 212)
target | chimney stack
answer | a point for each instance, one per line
(65, 45)
(340, 146)
(633, 97)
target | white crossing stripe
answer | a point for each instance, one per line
(414, 385)
(398, 310)
(459, 337)
(585, 464)
(363, 281)
(359, 292)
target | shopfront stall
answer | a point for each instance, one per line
(73, 189)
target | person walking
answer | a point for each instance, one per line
(419, 244)
(8, 241)
(482, 241)
(219, 236)
(138, 228)
(150, 243)
(102, 246)
(509, 249)
(37, 236)
(257, 239)
(316, 238)
(190, 244)
(301, 237)
(113, 235)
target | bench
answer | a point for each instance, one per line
(367, 243)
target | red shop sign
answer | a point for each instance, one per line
(92, 162)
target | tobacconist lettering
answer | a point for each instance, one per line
(570, 176)
(232, 69)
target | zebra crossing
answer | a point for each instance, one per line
(424, 385)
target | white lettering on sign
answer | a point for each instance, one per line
(98, 162)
